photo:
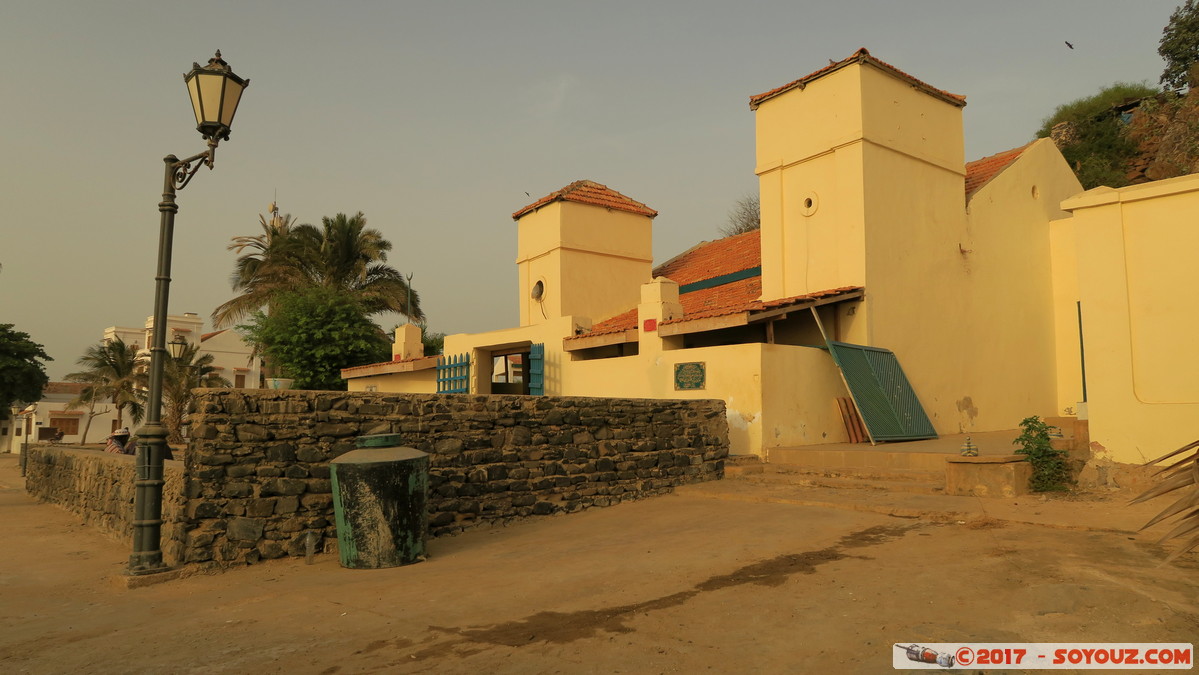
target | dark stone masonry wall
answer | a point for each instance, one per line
(99, 487)
(257, 469)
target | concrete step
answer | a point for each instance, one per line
(857, 457)
(911, 483)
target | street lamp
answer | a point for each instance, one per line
(215, 92)
(177, 347)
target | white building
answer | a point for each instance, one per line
(232, 358)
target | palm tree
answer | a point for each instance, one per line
(112, 372)
(179, 377)
(343, 254)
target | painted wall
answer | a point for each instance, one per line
(965, 299)
(1135, 250)
(414, 382)
(734, 375)
(1067, 340)
(232, 356)
(800, 410)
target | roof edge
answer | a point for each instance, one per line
(862, 56)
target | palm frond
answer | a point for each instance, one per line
(1180, 474)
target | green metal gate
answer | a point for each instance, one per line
(882, 393)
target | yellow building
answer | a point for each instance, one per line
(893, 288)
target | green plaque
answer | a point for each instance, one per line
(690, 375)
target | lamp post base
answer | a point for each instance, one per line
(149, 562)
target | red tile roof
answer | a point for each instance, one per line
(860, 56)
(981, 171)
(74, 388)
(721, 309)
(705, 260)
(714, 258)
(590, 192)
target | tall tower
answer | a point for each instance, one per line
(856, 162)
(582, 251)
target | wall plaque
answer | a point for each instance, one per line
(690, 375)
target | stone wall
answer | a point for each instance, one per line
(257, 469)
(99, 487)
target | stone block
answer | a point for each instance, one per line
(245, 529)
(283, 486)
(987, 476)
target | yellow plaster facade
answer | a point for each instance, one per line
(1133, 250)
(972, 274)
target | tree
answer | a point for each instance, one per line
(433, 341)
(1096, 143)
(113, 371)
(180, 376)
(745, 216)
(1179, 46)
(313, 333)
(87, 398)
(344, 255)
(22, 371)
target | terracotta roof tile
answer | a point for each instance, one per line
(617, 324)
(708, 260)
(981, 171)
(713, 258)
(590, 192)
(73, 388)
(860, 56)
(723, 309)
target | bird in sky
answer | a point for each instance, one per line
(1069, 45)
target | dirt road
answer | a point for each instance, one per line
(689, 582)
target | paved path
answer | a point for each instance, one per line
(723, 577)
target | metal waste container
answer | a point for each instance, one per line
(379, 495)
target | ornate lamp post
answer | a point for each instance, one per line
(215, 92)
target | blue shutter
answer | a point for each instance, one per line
(537, 370)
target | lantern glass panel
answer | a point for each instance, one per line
(193, 88)
(211, 88)
(229, 105)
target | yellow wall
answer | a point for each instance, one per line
(1136, 281)
(1063, 247)
(734, 374)
(592, 261)
(965, 299)
(800, 387)
(413, 382)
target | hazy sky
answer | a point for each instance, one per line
(435, 119)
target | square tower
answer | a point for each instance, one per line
(582, 251)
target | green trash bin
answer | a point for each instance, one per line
(380, 492)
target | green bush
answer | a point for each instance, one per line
(1049, 470)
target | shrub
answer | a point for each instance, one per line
(1049, 470)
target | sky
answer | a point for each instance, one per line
(435, 119)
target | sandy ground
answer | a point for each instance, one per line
(737, 580)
